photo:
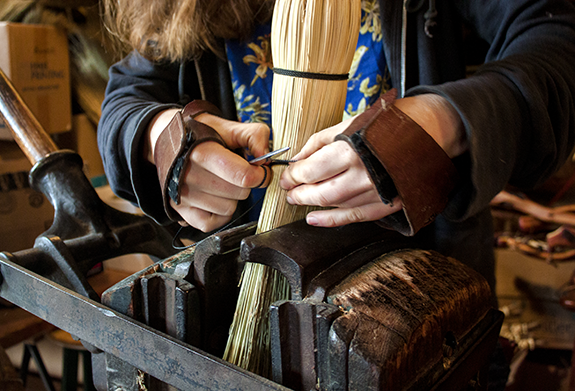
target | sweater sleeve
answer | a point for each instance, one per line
(518, 108)
(137, 90)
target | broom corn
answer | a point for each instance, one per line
(317, 36)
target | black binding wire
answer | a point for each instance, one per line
(311, 75)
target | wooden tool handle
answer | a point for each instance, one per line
(27, 131)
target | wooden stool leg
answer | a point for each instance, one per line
(25, 365)
(46, 379)
(88, 381)
(70, 370)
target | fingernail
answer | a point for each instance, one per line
(289, 200)
(311, 220)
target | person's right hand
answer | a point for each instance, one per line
(216, 178)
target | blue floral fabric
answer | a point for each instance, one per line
(252, 76)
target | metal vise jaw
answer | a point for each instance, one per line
(371, 310)
(191, 296)
(180, 309)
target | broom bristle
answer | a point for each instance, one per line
(316, 36)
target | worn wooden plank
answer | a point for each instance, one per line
(400, 308)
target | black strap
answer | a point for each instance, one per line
(311, 75)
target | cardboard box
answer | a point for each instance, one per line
(36, 59)
(24, 213)
(12, 159)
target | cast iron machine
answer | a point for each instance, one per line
(165, 327)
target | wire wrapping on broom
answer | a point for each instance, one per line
(311, 75)
(319, 38)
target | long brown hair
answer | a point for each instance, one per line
(179, 29)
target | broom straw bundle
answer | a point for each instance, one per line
(317, 39)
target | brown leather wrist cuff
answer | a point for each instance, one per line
(402, 159)
(174, 146)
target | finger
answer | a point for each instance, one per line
(321, 139)
(364, 198)
(253, 136)
(334, 191)
(199, 179)
(226, 165)
(343, 216)
(217, 205)
(201, 219)
(326, 163)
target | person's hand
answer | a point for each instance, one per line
(216, 178)
(332, 174)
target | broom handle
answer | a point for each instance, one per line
(27, 131)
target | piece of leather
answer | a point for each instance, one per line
(402, 159)
(174, 146)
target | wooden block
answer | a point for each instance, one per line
(401, 309)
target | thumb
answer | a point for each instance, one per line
(253, 136)
(320, 139)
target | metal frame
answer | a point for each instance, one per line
(49, 281)
(156, 353)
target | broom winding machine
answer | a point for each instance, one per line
(367, 310)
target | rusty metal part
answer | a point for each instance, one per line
(85, 230)
(156, 353)
(166, 325)
(302, 252)
(300, 342)
(190, 296)
(314, 342)
(304, 349)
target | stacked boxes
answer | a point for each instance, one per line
(24, 213)
(35, 58)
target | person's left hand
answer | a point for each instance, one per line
(330, 173)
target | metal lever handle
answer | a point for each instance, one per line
(27, 131)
